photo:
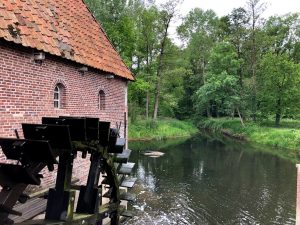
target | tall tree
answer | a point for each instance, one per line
(166, 16)
(255, 8)
(238, 20)
(222, 86)
(279, 81)
(147, 48)
(282, 33)
(233, 28)
(199, 32)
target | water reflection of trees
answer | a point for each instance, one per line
(225, 183)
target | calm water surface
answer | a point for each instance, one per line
(208, 181)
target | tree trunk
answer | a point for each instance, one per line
(278, 112)
(239, 70)
(147, 105)
(217, 112)
(256, 10)
(156, 101)
(277, 120)
(158, 81)
(253, 57)
(253, 68)
(208, 111)
(240, 116)
(160, 66)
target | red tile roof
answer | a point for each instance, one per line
(64, 28)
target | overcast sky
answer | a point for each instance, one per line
(224, 7)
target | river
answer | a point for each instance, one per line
(207, 180)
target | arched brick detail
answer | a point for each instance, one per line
(59, 81)
(101, 88)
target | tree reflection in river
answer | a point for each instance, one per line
(207, 181)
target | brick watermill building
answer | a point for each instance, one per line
(56, 61)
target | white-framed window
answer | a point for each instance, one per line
(59, 97)
(101, 100)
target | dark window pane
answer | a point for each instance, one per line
(101, 104)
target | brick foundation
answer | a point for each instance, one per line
(26, 95)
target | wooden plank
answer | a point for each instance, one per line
(33, 207)
(108, 208)
(44, 191)
(41, 222)
(30, 209)
(123, 157)
(126, 168)
(128, 214)
(128, 182)
(126, 196)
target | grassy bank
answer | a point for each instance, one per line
(160, 129)
(286, 136)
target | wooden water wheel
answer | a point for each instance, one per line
(62, 138)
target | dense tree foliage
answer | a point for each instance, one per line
(279, 82)
(240, 65)
(221, 91)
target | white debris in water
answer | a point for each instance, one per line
(154, 154)
(141, 208)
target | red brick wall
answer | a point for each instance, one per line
(26, 94)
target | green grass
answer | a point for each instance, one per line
(286, 136)
(161, 129)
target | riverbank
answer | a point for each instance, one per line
(160, 129)
(286, 136)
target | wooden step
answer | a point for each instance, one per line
(30, 209)
(39, 222)
(106, 209)
(17, 174)
(118, 147)
(128, 182)
(77, 219)
(126, 168)
(123, 157)
(128, 214)
(107, 194)
(120, 178)
(126, 196)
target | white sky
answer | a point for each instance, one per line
(224, 7)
